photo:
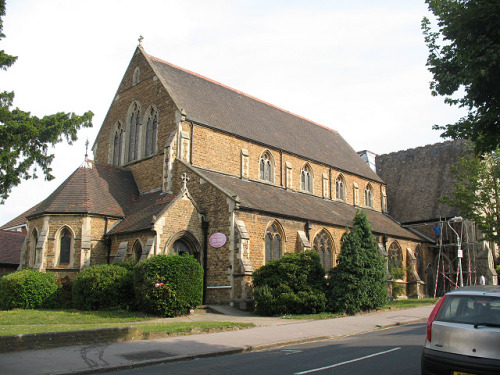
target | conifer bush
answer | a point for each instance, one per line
(28, 289)
(358, 282)
(169, 285)
(293, 284)
(104, 287)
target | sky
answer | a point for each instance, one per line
(356, 66)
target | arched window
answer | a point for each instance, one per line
(306, 178)
(137, 251)
(137, 75)
(134, 132)
(369, 196)
(420, 262)
(340, 188)
(151, 132)
(33, 241)
(323, 245)
(395, 257)
(266, 167)
(383, 194)
(65, 247)
(117, 145)
(273, 243)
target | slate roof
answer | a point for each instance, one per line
(142, 214)
(217, 106)
(274, 200)
(417, 178)
(10, 246)
(100, 190)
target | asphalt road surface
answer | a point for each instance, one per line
(390, 351)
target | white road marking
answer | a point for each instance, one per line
(346, 362)
(291, 351)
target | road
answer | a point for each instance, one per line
(390, 351)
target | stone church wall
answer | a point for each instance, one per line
(149, 91)
(222, 152)
(217, 211)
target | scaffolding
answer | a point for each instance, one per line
(456, 262)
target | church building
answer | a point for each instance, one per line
(185, 164)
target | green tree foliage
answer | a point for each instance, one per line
(169, 285)
(477, 192)
(293, 284)
(464, 56)
(28, 289)
(358, 283)
(104, 287)
(25, 139)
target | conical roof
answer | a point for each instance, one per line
(100, 190)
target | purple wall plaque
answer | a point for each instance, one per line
(217, 240)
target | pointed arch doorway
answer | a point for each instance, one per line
(184, 242)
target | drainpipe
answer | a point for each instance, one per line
(308, 228)
(107, 241)
(204, 226)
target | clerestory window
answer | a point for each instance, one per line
(266, 167)
(306, 179)
(369, 196)
(340, 188)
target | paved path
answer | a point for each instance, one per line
(270, 332)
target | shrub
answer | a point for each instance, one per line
(28, 289)
(358, 283)
(64, 296)
(293, 284)
(169, 285)
(397, 273)
(104, 286)
(128, 264)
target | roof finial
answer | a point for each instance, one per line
(87, 163)
(141, 38)
(87, 149)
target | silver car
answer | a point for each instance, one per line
(463, 333)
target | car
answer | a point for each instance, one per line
(463, 333)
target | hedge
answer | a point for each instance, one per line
(169, 285)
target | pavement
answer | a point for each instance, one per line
(268, 333)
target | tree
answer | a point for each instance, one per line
(358, 283)
(25, 139)
(464, 56)
(477, 192)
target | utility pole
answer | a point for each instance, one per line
(458, 219)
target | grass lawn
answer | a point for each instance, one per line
(15, 322)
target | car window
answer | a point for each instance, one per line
(470, 309)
